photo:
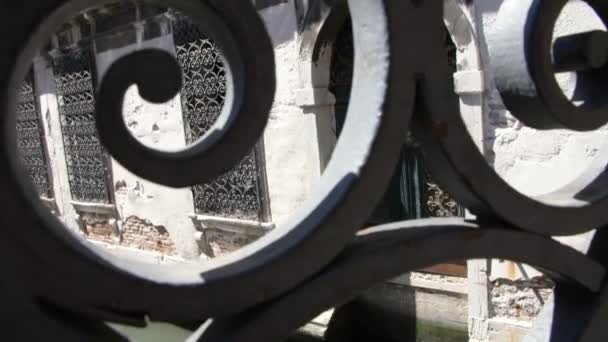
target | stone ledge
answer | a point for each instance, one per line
(437, 283)
(94, 208)
(104, 209)
(245, 227)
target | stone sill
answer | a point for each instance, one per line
(246, 227)
(449, 284)
(94, 208)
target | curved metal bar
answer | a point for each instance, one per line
(19, 310)
(525, 61)
(288, 268)
(596, 329)
(387, 251)
(250, 92)
(361, 167)
(459, 167)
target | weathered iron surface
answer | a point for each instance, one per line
(65, 290)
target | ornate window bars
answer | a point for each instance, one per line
(240, 192)
(30, 138)
(314, 254)
(86, 160)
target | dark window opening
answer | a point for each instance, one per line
(412, 193)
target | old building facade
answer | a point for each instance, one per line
(110, 207)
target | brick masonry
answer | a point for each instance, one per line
(137, 234)
(140, 234)
(98, 229)
(224, 242)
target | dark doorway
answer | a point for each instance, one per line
(412, 193)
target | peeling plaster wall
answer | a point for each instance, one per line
(161, 127)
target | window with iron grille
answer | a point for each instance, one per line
(86, 160)
(30, 138)
(412, 193)
(240, 192)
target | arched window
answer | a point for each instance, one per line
(411, 193)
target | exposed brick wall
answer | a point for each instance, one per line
(98, 228)
(140, 234)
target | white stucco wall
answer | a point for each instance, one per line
(45, 89)
(293, 160)
(161, 127)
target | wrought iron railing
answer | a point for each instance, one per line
(53, 286)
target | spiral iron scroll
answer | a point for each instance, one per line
(296, 271)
